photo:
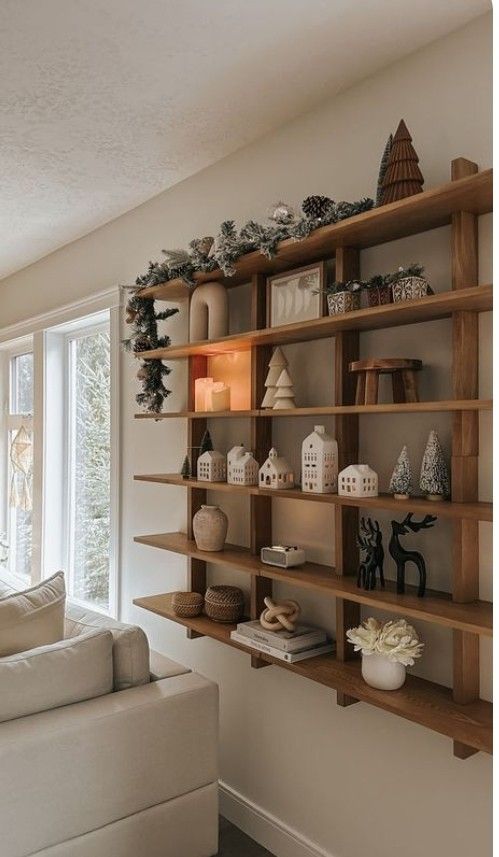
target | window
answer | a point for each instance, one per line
(89, 466)
(16, 523)
(59, 437)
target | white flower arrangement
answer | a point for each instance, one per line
(395, 639)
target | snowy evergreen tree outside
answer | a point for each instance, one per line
(91, 435)
(434, 478)
(401, 481)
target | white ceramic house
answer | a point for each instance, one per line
(276, 472)
(242, 467)
(211, 466)
(319, 462)
(358, 480)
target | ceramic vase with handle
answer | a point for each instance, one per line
(379, 671)
(210, 528)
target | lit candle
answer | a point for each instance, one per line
(202, 394)
(219, 397)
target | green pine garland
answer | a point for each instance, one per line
(142, 317)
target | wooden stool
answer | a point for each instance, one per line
(404, 381)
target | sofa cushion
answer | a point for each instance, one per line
(130, 645)
(34, 617)
(59, 674)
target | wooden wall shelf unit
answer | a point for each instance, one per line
(456, 712)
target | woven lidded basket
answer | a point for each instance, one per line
(187, 604)
(224, 603)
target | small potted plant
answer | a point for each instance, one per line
(378, 289)
(387, 649)
(343, 297)
(409, 283)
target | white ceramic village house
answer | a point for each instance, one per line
(319, 462)
(276, 472)
(211, 466)
(242, 467)
(358, 480)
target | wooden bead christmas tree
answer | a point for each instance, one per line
(277, 363)
(403, 176)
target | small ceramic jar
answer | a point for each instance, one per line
(210, 528)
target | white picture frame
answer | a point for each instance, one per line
(296, 295)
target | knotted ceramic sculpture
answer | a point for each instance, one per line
(280, 616)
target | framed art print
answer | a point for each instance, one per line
(296, 295)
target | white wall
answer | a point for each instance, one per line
(354, 780)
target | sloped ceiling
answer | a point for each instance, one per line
(105, 103)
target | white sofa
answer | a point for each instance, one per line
(132, 773)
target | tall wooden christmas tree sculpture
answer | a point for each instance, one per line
(382, 169)
(284, 394)
(277, 363)
(403, 176)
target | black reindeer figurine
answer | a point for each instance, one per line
(402, 556)
(370, 541)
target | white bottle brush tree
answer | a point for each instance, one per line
(401, 481)
(277, 363)
(434, 479)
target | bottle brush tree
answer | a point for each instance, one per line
(206, 443)
(401, 481)
(434, 478)
(186, 468)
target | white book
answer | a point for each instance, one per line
(289, 657)
(304, 637)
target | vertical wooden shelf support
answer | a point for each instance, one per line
(261, 442)
(197, 368)
(347, 435)
(466, 654)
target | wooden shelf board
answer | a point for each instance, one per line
(428, 210)
(436, 607)
(442, 509)
(331, 410)
(419, 701)
(442, 305)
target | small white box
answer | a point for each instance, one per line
(284, 556)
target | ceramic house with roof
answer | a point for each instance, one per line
(319, 462)
(211, 466)
(242, 467)
(276, 472)
(358, 480)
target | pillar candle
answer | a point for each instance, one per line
(219, 397)
(202, 394)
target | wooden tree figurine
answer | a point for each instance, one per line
(284, 395)
(403, 176)
(277, 363)
(401, 481)
(434, 478)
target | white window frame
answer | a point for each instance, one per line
(85, 327)
(36, 330)
(12, 422)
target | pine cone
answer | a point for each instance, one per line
(317, 207)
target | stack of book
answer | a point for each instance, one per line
(304, 642)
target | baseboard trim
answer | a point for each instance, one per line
(269, 831)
